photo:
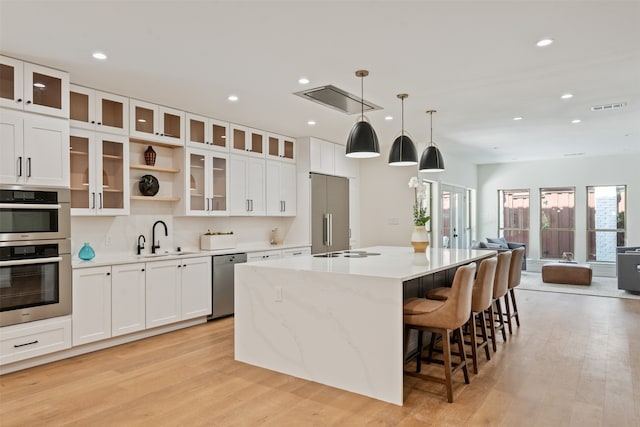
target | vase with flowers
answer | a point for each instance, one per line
(419, 237)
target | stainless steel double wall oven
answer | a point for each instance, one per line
(35, 254)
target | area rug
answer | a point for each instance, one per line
(600, 286)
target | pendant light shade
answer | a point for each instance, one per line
(362, 141)
(431, 159)
(403, 151)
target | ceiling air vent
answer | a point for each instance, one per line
(337, 99)
(605, 107)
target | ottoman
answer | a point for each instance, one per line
(567, 273)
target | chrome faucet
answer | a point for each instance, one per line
(153, 236)
(141, 245)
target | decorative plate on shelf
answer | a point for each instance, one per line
(148, 185)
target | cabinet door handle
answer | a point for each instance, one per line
(20, 166)
(99, 123)
(93, 200)
(179, 266)
(251, 200)
(142, 269)
(212, 204)
(93, 122)
(19, 100)
(108, 274)
(28, 102)
(100, 197)
(27, 343)
(28, 167)
(207, 203)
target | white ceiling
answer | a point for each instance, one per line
(474, 61)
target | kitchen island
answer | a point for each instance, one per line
(334, 318)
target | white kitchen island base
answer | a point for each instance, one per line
(335, 321)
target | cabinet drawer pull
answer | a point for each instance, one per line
(20, 166)
(27, 343)
(28, 167)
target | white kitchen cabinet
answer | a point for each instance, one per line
(321, 156)
(280, 188)
(281, 148)
(99, 173)
(100, 111)
(293, 252)
(246, 140)
(153, 122)
(162, 292)
(31, 339)
(177, 289)
(91, 301)
(195, 287)
(330, 159)
(33, 88)
(247, 185)
(203, 132)
(35, 149)
(127, 298)
(207, 184)
(264, 255)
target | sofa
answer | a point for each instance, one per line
(500, 244)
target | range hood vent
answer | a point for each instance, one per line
(337, 99)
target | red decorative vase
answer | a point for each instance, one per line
(150, 156)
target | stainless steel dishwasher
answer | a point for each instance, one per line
(222, 292)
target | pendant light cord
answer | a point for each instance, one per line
(402, 130)
(361, 98)
(431, 128)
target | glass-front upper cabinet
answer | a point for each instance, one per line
(203, 132)
(208, 183)
(156, 123)
(101, 111)
(246, 140)
(281, 147)
(99, 173)
(34, 88)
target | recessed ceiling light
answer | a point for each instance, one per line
(388, 118)
(311, 122)
(39, 85)
(99, 55)
(303, 80)
(567, 96)
(232, 98)
(544, 42)
(518, 118)
(576, 121)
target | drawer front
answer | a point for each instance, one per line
(34, 340)
(296, 252)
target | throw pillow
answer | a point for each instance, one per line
(494, 246)
(500, 240)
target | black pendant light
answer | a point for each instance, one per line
(363, 141)
(431, 159)
(403, 151)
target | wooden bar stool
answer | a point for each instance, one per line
(480, 302)
(515, 275)
(443, 318)
(500, 286)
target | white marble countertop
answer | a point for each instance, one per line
(393, 262)
(127, 258)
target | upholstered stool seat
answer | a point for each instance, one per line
(567, 273)
(444, 318)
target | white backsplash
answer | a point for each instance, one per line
(118, 235)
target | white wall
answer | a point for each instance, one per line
(573, 172)
(385, 197)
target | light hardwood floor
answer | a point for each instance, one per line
(575, 361)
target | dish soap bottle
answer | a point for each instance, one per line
(86, 252)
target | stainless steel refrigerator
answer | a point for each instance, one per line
(329, 213)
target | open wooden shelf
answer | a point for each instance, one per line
(154, 168)
(156, 198)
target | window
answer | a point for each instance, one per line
(513, 216)
(606, 222)
(557, 221)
